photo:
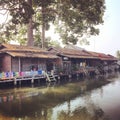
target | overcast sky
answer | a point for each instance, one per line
(108, 40)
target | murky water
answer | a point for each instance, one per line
(91, 99)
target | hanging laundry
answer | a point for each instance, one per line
(3, 75)
(14, 74)
(39, 72)
(21, 74)
(17, 74)
(7, 74)
(11, 74)
(10, 98)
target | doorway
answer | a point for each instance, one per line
(49, 66)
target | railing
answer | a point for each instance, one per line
(11, 75)
(40, 73)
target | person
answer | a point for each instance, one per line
(52, 72)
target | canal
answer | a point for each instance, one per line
(95, 98)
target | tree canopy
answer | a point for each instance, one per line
(72, 18)
(118, 54)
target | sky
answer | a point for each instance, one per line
(108, 41)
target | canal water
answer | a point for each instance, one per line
(95, 98)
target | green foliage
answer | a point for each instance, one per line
(53, 43)
(72, 18)
(12, 32)
(78, 18)
(20, 10)
(75, 68)
(118, 54)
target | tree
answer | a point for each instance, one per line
(21, 12)
(73, 18)
(118, 54)
(78, 18)
(12, 32)
(30, 39)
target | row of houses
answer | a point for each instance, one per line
(75, 59)
(67, 60)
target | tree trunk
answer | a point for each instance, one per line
(43, 36)
(43, 28)
(30, 39)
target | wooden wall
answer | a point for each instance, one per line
(15, 64)
(6, 63)
(25, 64)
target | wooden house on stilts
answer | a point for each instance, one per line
(23, 58)
(75, 59)
(23, 61)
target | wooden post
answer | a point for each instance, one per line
(38, 81)
(19, 82)
(77, 75)
(32, 81)
(58, 77)
(69, 76)
(15, 82)
(19, 64)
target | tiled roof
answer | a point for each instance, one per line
(32, 55)
(81, 53)
(35, 52)
(11, 47)
(103, 56)
(72, 53)
(25, 51)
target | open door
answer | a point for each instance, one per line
(49, 66)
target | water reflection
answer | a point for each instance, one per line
(78, 100)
